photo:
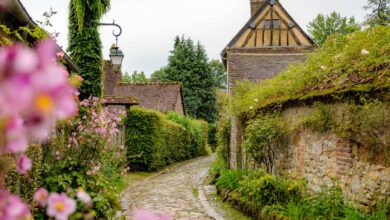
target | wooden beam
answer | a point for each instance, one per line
(248, 38)
(272, 26)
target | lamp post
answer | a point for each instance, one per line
(116, 55)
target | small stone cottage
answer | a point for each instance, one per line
(163, 97)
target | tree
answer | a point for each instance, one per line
(158, 75)
(85, 46)
(325, 25)
(136, 77)
(379, 12)
(219, 73)
(188, 64)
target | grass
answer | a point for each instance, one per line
(229, 211)
(131, 179)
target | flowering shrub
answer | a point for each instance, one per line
(34, 94)
(84, 153)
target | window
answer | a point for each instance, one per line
(275, 24)
(267, 24)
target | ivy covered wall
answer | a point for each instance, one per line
(85, 46)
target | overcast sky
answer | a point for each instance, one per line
(149, 26)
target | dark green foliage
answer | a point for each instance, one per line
(154, 140)
(188, 64)
(136, 77)
(325, 25)
(379, 12)
(85, 46)
(263, 196)
(212, 135)
(265, 138)
(219, 73)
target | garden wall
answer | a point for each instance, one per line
(324, 158)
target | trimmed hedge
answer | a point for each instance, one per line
(154, 140)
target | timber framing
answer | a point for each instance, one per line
(270, 28)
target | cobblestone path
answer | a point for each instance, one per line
(176, 191)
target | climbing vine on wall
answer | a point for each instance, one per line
(85, 46)
(264, 138)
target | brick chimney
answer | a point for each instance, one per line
(256, 5)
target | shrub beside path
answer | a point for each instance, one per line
(176, 191)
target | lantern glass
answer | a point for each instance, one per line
(116, 56)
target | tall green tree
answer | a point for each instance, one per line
(379, 12)
(325, 25)
(219, 73)
(85, 46)
(188, 64)
(158, 75)
(136, 77)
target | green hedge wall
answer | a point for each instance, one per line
(154, 140)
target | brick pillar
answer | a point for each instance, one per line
(344, 157)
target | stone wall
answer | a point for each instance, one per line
(323, 159)
(326, 159)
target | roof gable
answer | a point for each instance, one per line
(271, 26)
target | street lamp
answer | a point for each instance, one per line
(116, 55)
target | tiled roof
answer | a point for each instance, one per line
(158, 96)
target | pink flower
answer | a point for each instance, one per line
(41, 196)
(16, 141)
(12, 207)
(60, 206)
(60, 54)
(84, 197)
(24, 164)
(146, 215)
(34, 94)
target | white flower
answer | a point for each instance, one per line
(323, 67)
(365, 52)
(84, 197)
(256, 100)
(251, 107)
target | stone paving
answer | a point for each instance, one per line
(177, 192)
